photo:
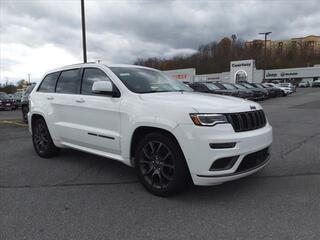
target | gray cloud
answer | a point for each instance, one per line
(121, 31)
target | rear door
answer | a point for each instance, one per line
(64, 114)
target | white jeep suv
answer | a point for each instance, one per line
(140, 117)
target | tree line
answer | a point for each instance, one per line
(215, 57)
(9, 87)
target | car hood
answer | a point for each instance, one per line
(200, 102)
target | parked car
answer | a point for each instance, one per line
(288, 85)
(209, 88)
(316, 83)
(272, 91)
(17, 98)
(262, 92)
(142, 118)
(304, 84)
(25, 102)
(6, 103)
(285, 90)
(213, 88)
(255, 95)
(242, 93)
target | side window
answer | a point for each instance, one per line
(49, 82)
(90, 76)
(69, 82)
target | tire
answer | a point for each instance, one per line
(42, 141)
(160, 165)
(25, 111)
(283, 94)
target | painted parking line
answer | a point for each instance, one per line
(14, 122)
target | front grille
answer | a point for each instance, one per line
(247, 121)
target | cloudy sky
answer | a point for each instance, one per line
(37, 35)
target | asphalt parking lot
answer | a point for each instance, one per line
(81, 196)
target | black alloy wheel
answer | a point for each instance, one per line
(160, 165)
(42, 140)
(157, 164)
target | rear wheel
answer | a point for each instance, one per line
(160, 165)
(42, 140)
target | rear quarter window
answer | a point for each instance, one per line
(48, 84)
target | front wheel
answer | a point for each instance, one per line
(160, 165)
(42, 140)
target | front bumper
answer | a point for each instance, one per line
(195, 141)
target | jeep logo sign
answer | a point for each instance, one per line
(242, 70)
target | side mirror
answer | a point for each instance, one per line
(104, 87)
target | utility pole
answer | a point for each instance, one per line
(29, 74)
(265, 53)
(84, 44)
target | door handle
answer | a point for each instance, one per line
(80, 100)
(50, 98)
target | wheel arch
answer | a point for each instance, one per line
(33, 117)
(142, 131)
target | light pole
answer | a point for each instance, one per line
(29, 74)
(83, 21)
(265, 53)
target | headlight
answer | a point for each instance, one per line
(207, 119)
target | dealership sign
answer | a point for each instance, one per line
(242, 70)
(183, 75)
(308, 72)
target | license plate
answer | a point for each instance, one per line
(8, 104)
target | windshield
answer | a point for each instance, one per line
(259, 86)
(284, 84)
(4, 95)
(228, 86)
(239, 86)
(246, 85)
(211, 86)
(141, 80)
(18, 94)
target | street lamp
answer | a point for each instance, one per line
(83, 20)
(265, 53)
(29, 74)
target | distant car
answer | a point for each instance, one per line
(262, 92)
(288, 85)
(285, 90)
(254, 95)
(272, 91)
(242, 93)
(17, 98)
(316, 83)
(211, 88)
(304, 84)
(6, 103)
(25, 102)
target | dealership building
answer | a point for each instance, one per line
(245, 70)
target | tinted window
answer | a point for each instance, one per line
(228, 86)
(212, 86)
(49, 82)
(69, 82)
(90, 76)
